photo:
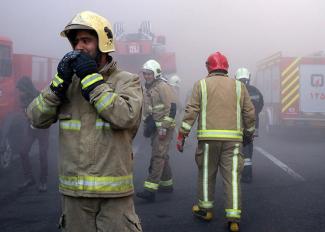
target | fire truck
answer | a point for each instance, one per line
(293, 90)
(134, 49)
(13, 67)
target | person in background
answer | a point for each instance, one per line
(244, 76)
(159, 113)
(27, 92)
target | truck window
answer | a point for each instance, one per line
(5, 61)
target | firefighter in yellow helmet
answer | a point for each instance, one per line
(225, 115)
(159, 113)
(98, 108)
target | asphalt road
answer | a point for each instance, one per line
(287, 193)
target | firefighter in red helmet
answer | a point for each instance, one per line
(225, 118)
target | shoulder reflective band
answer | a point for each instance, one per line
(42, 106)
(56, 80)
(91, 79)
(100, 123)
(70, 125)
(238, 93)
(251, 129)
(105, 101)
(204, 99)
(96, 183)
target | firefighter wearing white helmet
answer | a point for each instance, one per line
(244, 76)
(98, 120)
(174, 81)
(159, 111)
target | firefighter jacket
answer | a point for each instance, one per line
(159, 108)
(256, 98)
(223, 108)
(95, 137)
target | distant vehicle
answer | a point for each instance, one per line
(294, 91)
(13, 67)
(134, 49)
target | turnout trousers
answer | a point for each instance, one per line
(82, 214)
(224, 155)
(160, 173)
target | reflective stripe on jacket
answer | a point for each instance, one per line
(223, 108)
(95, 138)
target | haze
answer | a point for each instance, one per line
(245, 31)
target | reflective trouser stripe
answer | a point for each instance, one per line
(205, 202)
(248, 162)
(150, 185)
(234, 212)
(166, 182)
(234, 178)
(231, 213)
(206, 173)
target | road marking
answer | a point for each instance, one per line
(282, 165)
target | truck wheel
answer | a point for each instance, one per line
(5, 155)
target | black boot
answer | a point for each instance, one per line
(165, 189)
(29, 181)
(247, 174)
(147, 195)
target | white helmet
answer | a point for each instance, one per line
(153, 66)
(174, 81)
(243, 74)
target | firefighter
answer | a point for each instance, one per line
(244, 76)
(225, 117)
(175, 82)
(98, 108)
(27, 92)
(159, 113)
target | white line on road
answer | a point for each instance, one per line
(282, 165)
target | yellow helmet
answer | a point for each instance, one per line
(91, 21)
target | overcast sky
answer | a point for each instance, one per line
(244, 30)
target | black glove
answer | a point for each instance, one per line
(247, 140)
(150, 126)
(63, 78)
(86, 69)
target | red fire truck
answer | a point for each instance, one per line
(12, 67)
(134, 49)
(294, 91)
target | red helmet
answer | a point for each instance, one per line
(217, 61)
